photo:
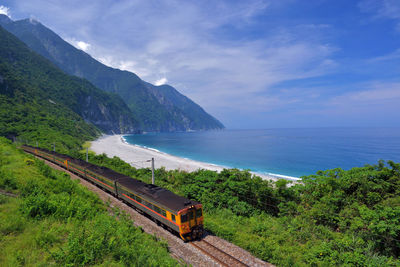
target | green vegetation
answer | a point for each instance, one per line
(39, 102)
(55, 221)
(335, 217)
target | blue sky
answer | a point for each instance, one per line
(252, 64)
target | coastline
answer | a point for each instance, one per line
(138, 156)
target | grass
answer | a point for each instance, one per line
(56, 221)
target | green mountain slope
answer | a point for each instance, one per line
(158, 108)
(36, 98)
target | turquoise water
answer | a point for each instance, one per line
(291, 152)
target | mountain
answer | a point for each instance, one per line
(157, 108)
(36, 96)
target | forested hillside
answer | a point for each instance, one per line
(39, 100)
(156, 108)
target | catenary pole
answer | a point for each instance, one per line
(152, 171)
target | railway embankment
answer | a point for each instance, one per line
(49, 219)
(219, 252)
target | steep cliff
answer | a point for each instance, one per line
(29, 79)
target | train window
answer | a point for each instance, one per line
(184, 218)
(157, 209)
(190, 215)
(173, 217)
(199, 213)
(163, 213)
(139, 199)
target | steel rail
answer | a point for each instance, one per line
(224, 260)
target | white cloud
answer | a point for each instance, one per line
(33, 20)
(194, 41)
(391, 56)
(373, 93)
(128, 65)
(84, 46)
(382, 9)
(106, 60)
(161, 81)
(5, 11)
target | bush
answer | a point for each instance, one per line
(55, 221)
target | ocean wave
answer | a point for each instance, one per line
(292, 178)
(283, 176)
(141, 146)
(153, 149)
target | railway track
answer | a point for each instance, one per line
(176, 246)
(220, 256)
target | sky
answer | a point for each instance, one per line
(251, 64)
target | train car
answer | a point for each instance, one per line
(104, 177)
(78, 166)
(29, 149)
(182, 215)
(178, 213)
(59, 159)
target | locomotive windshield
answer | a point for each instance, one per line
(190, 213)
(188, 216)
(199, 213)
(184, 218)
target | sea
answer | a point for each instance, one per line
(288, 152)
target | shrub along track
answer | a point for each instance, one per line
(200, 253)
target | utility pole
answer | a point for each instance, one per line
(87, 154)
(152, 170)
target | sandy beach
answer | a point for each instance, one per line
(114, 145)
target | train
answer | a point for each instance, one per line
(178, 214)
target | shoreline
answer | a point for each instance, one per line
(138, 156)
